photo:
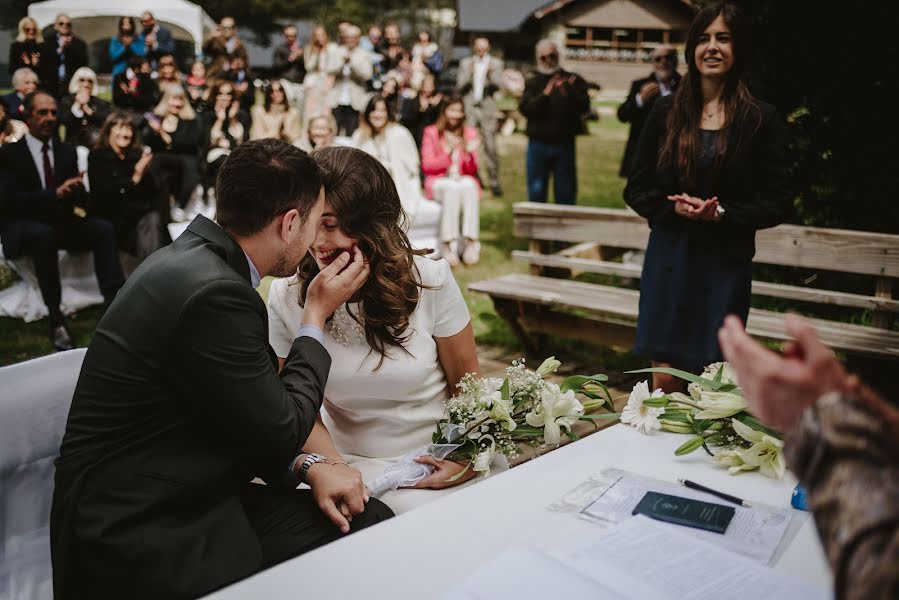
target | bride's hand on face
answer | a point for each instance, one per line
(339, 491)
(334, 285)
(443, 471)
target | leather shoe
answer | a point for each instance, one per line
(61, 338)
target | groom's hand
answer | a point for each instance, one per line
(334, 285)
(339, 492)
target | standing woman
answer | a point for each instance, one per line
(321, 57)
(449, 159)
(127, 43)
(276, 118)
(124, 191)
(710, 171)
(26, 50)
(381, 136)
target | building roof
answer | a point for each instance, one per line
(496, 15)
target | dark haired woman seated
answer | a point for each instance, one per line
(397, 348)
(124, 188)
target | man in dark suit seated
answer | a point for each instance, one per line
(642, 97)
(42, 204)
(24, 81)
(180, 405)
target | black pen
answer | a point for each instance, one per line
(695, 486)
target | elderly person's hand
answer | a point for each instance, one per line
(779, 387)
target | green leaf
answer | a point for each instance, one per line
(660, 402)
(576, 382)
(462, 472)
(751, 421)
(683, 375)
(676, 416)
(690, 445)
(504, 390)
(571, 435)
(719, 374)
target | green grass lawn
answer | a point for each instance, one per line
(599, 155)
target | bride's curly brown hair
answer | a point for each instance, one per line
(362, 194)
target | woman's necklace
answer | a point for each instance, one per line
(344, 328)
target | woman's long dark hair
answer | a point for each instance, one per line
(130, 21)
(441, 118)
(365, 117)
(118, 117)
(365, 200)
(683, 141)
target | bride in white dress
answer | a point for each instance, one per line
(392, 370)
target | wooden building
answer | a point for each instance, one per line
(607, 41)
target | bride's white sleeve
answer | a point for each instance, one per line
(280, 333)
(450, 311)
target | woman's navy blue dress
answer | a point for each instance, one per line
(688, 286)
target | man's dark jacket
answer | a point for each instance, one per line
(178, 406)
(629, 112)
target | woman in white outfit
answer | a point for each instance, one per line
(449, 159)
(321, 58)
(397, 349)
(381, 136)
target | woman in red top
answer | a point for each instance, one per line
(449, 160)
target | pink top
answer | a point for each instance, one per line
(436, 162)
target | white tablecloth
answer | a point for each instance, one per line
(423, 553)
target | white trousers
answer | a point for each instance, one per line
(459, 198)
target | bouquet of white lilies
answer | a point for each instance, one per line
(491, 416)
(715, 414)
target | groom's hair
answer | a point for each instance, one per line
(260, 181)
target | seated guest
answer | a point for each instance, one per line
(124, 45)
(26, 50)
(133, 89)
(197, 86)
(840, 441)
(402, 343)
(167, 73)
(42, 210)
(81, 112)
(11, 130)
(24, 81)
(226, 127)
(320, 133)
(381, 136)
(124, 191)
(275, 118)
(449, 159)
(174, 134)
(239, 74)
(179, 406)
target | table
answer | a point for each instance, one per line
(425, 552)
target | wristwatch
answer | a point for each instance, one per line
(309, 460)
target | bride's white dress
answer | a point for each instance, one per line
(376, 417)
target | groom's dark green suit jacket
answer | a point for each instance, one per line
(178, 406)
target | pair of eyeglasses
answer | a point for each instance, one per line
(30, 29)
(85, 80)
(667, 57)
(550, 56)
(65, 23)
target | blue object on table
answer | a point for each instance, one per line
(798, 500)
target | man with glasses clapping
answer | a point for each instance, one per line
(643, 95)
(62, 55)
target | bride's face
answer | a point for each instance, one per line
(330, 240)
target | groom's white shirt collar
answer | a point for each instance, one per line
(254, 273)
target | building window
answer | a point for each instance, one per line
(617, 45)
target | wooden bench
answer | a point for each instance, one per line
(538, 303)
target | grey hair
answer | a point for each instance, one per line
(20, 73)
(543, 43)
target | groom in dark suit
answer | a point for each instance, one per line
(180, 405)
(42, 204)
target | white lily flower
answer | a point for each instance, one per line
(549, 366)
(636, 414)
(484, 458)
(728, 376)
(488, 400)
(695, 390)
(766, 451)
(502, 413)
(720, 405)
(733, 461)
(557, 409)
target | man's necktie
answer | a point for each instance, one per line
(49, 180)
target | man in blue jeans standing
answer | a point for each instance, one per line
(555, 102)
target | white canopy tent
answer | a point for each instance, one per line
(97, 19)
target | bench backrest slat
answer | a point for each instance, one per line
(840, 250)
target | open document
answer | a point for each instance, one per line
(639, 559)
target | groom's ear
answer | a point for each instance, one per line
(290, 225)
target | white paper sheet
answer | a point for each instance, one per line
(677, 565)
(754, 532)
